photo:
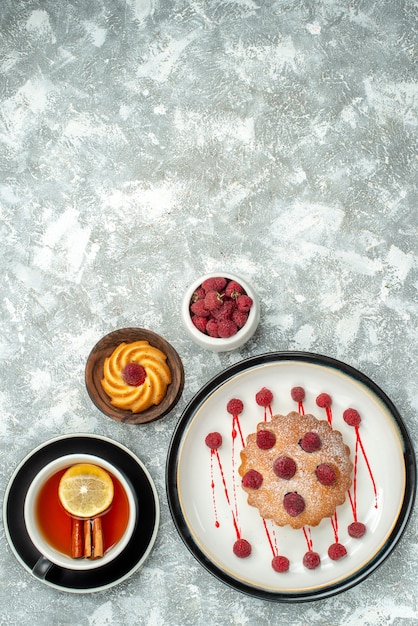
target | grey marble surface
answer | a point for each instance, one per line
(145, 142)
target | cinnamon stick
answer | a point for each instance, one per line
(88, 547)
(76, 538)
(97, 538)
(87, 538)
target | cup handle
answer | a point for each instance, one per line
(41, 567)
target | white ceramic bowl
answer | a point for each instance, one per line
(214, 343)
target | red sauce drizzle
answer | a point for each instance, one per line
(308, 537)
(329, 414)
(353, 418)
(358, 438)
(301, 408)
(271, 536)
(212, 485)
(235, 425)
(334, 523)
(353, 498)
(234, 515)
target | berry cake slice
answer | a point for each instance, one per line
(296, 470)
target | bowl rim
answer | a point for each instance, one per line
(104, 348)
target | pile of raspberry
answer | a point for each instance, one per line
(220, 307)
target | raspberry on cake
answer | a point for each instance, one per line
(310, 442)
(304, 468)
(136, 376)
(252, 479)
(265, 439)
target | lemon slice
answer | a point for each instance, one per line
(85, 490)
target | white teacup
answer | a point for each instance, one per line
(50, 555)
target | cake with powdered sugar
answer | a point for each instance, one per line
(296, 470)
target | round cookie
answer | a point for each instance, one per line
(295, 469)
(152, 376)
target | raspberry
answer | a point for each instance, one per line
(216, 283)
(239, 318)
(213, 440)
(252, 479)
(352, 417)
(324, 400)
(280, 564)
(225, 311)
(242, 548)
(293, 504)
(356, 530)
(326, 474)
(244, 303)
(235, 406)
(200, 322)
(212, 328)
(284, 467)
(213, 300)
(336, 551)
(264, 397)
(198, 308)
(265, 439)
(298, 394)
(311, 560)
(310, 442)
(234, 289)
(198, 294)
(134, 374)
(227, 328)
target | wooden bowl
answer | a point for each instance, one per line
(94, 375)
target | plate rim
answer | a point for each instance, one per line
(155, 524)
(180, 430)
